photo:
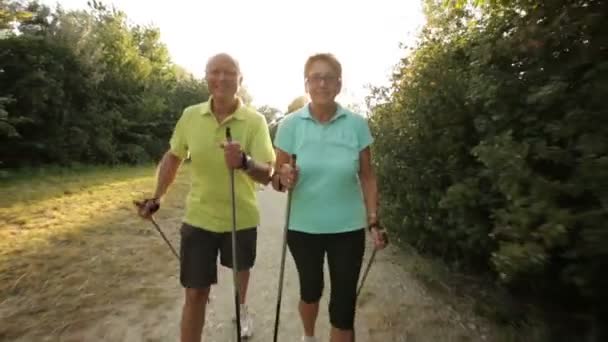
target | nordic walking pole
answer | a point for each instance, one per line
(138, 205)
(235, 275)
(282, 269)
(370, 262)
(369, 265)
(164, 237)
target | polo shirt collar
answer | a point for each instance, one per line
(238, 113)
(306, 114)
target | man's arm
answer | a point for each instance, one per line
(167, 171)
(260, 165)
(259, 172)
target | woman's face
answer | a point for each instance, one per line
(322, 83)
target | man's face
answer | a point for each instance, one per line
(223, 77)
(322, 83)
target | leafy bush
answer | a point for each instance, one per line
(492, 145)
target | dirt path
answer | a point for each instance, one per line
(109, 277)
(393, 306)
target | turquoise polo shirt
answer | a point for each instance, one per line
(328, 197)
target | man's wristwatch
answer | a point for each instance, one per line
(245, 162)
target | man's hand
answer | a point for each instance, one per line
(147, 207)
(233, 154)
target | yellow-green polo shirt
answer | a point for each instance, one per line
(198, 132)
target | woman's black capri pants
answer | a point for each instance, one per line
(344, 256)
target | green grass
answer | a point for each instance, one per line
(511, 321)
(72, 247)
(29, 185)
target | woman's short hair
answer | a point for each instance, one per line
(325, 57)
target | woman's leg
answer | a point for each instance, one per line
(345, 256)
(308, 253)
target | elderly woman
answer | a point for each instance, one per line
(334, 196)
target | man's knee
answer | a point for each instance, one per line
(197, 296)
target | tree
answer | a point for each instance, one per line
(294, 105)
(243, 93)
(85, 86)
(270, 113)
(491, 148)
(12, 12)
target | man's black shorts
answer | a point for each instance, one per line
(199, 251)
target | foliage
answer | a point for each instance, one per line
(294, 105)
(492, 148)
(270, 113)
(84, 86)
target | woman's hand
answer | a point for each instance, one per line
(288, 175)
(379, 236)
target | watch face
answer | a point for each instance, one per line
(246, 161)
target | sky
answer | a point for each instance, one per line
(272, 38)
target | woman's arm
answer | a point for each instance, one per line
(368, 184)
(370, 194)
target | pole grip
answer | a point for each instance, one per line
(228, 134)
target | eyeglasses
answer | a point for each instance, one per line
(228, 74)
(317, 79)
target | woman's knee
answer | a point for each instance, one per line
(342, 311)
(311, 293)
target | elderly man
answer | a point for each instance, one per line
(207, 225)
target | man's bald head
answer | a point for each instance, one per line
(222, 58)
(223, 76)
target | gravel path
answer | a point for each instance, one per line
(394, 306)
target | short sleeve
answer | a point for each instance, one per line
(261, 146)
(178, 143)
(284, 137)
(364, 135)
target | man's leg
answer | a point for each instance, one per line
(308, 253)
(193, 314)
(198, 271)
(344, 256)
(244, 284)
(246, 255)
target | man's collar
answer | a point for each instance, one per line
(238, 113)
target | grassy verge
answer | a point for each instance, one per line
(72, 248)
(513, 321)
(30, 185)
